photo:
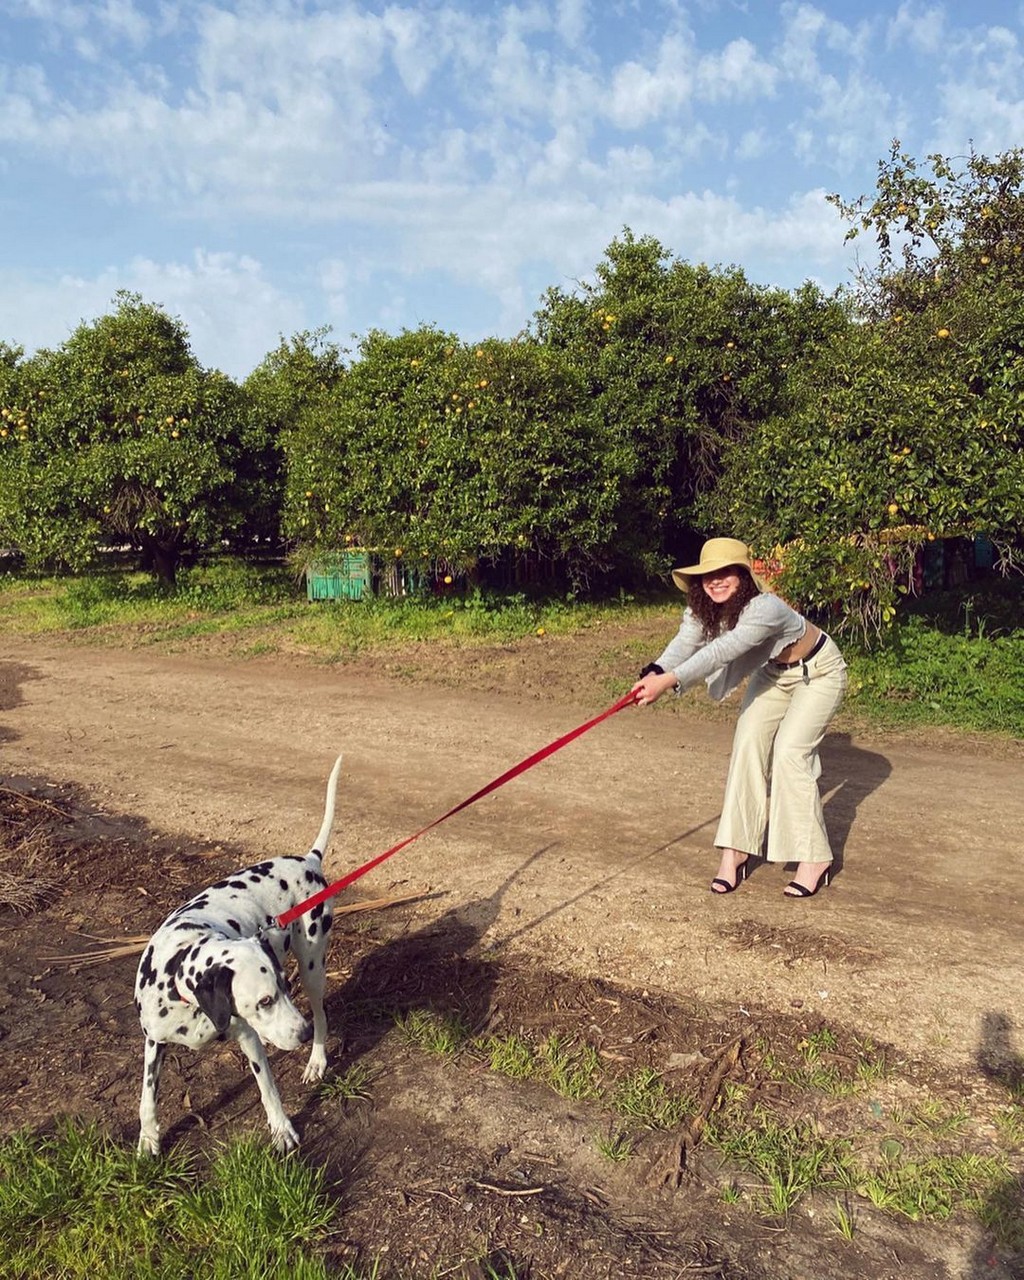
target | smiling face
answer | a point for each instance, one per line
(721, 584)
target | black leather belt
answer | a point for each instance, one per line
(818, 644)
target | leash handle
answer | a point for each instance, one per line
(293, 913)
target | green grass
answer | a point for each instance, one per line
(441, 1034)
(961, 663)
(77, 1205)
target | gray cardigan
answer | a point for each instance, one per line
(765, 627)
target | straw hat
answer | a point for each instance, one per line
(718, 553)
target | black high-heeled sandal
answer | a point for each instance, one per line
(794, 890)
(741, 875)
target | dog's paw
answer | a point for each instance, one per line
(285, 1138)
(316, 1067)
(149, 1143)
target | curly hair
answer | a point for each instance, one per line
(716, 618)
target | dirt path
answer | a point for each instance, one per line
(591, 869)
(598, 859)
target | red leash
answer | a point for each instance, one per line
(330, 890)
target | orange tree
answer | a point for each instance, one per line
(119, 437)
(908, 426)
(434, 449)
(680, 362)
(277, 392)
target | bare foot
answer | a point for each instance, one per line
(729, 871)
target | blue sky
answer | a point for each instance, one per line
(259, 167)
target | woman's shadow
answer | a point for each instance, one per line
(849, 776)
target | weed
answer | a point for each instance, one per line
(845, 1219)
(509, 1055)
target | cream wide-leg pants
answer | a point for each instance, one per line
(782, 721)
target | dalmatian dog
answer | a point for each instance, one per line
(214, 970)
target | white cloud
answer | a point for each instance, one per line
(923, 29)
(641, 94)
(736, 74)
(233, 314)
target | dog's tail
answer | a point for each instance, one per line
(320, 843)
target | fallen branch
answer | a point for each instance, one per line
(116, 948)
(43, 804)
(506, 1191)
(673, 1170)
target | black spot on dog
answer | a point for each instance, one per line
(256, 1068)
(233, 924)
(147, 973)
(328, 924)
(175, 962)
(311, 931)
(181, 1031)
(284, 884)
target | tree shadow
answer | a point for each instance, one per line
(850, 774)
(440, 967)
(12, 676)
(1001, 1252)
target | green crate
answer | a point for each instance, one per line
(343, 576)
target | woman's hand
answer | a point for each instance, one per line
(651, 687)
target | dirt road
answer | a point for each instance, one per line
(599, 858)
(595, 864)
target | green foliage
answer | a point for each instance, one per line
(120, 437)
(907, 427)
(680, 362)
(446, 454)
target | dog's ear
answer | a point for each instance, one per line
(213, 995)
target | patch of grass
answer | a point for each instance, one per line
(76, 1205)
(1010, 1124)
(790, 1159)
(931, 1187)
(616, 1147)
(921, 673)
(952, 660)
(642, 1095)
(509, 1055)
(442, 1034)
(352, 1085)
(571, 1069)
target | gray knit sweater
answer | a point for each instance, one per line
(765, 627)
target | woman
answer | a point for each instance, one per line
(734, 627)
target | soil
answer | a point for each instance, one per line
(573, 901)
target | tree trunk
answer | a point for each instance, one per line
(162, 560)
